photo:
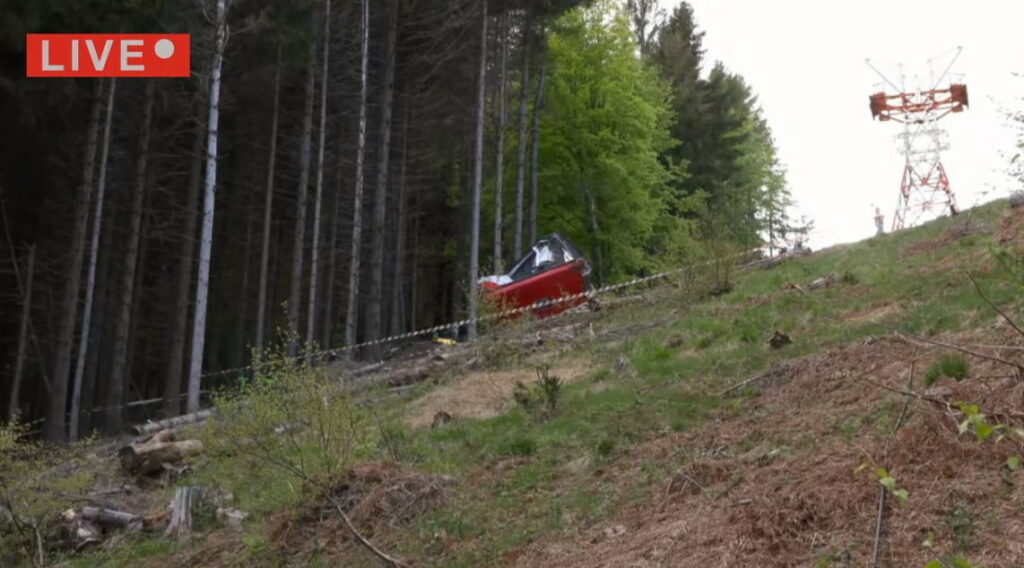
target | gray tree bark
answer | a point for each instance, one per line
(524, 82)
(183, 287)
(298, 250)
(374, 324)
(538, 107)
(26, 312)
(268, 208)
(351, 310)
(478, 170)
(499, 168)
(209, 195)
(90, 283)
(54, 427)
(115, 389)
(315, 249)
(398, 290)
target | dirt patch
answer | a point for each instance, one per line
(1011, 229)
(775, 485)
(377, 497)
(483, 394)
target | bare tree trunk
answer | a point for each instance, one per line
(243, 294)
(332, 265)
(298, 250)
(186, 262)
(351, 312)
(524, 82)
(90, 283)
(397, 305)
(478, 171)
(413, 293)
(55, 423)
(499, 168)
(314, 261)
(268, 207)
(26, 312)
(373, 312)
(115, 389)
(538, 106)
(209, 194)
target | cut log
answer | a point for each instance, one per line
(173, 423)
(184, 501)
(79, 533)
(150, 457)
(112, 518)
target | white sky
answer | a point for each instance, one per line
(805, 61)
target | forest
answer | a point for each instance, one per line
(338, 171)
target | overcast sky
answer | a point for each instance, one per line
(805, 59)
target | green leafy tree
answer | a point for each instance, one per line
(606, 124)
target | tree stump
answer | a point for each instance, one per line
(184, 501)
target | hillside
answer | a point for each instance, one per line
(679, 436)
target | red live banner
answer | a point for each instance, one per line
(107, 55)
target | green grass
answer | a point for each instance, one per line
(684, 350)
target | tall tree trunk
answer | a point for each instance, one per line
(183, 287)
(90, 283)
(398, 290)
(373, 312)
(478, 171)
(315, 258)
(100, 353)
(524, 82)
(538, 106)
(332, 264)
(243, 295)
(499, 168)
(26, 313)
(115, 388)
(54, 426)
(268, 207)
(209, 194)
(299, 248)
(351, 311)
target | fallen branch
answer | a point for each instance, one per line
(173, 423)
(390, 560)
(912, 338)
(993, 306)
(880, 517)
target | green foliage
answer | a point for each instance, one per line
(954, 366)
(290, 417)
(35, 482)
(521, 446)
(974, 421)
(960, 523)
(605, 124)
(539, 400)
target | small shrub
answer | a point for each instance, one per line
(960, 522)
(35, 480)
(394, 442)
(605, 447)
(539, 400)
(849, 278)
(954, 366)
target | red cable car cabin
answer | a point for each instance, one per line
(552, 269)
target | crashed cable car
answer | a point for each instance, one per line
(553, 268)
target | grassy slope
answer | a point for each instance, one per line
(521, 481)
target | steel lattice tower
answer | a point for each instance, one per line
(924, 186)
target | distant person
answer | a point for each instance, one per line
(879, 222)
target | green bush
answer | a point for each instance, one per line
(35, 480)
(290, 417)
(539, 400)
(522, 446)
(954, 366)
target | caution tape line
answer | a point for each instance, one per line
(487, 317)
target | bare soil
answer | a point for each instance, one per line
(779, 484)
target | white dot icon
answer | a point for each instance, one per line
(164, 48)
